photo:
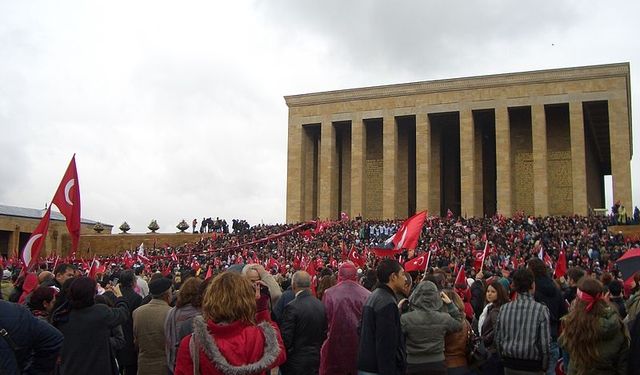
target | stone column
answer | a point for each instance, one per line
(328, 167)
(423, 163)
(619, 139)
(389, 166)
(578, 159)
(467, 164)
(358, 157)
(503, 162)
(539, 146)
(295, 184)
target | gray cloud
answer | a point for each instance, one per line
(176, 111)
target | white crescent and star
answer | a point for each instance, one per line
(27, 248)
(68, 187)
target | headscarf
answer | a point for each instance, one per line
(589, 299)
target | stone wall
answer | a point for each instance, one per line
(108, 244)
(559, 160)
(57, 240)
(521, 149)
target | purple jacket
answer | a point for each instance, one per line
(343, 307)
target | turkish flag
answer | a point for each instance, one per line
(479, 262)
(418, 263)
(67, 199)
(95, 264)
(33, 246)
(461, 279)
(407, 236)
(355, 257)
(561, 266)
(209, 273)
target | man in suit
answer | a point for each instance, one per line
(304, 328)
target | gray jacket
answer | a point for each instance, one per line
(425, 326)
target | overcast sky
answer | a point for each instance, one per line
(175, 109)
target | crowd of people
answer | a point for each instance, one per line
(319, 298)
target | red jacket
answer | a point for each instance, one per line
(228, 348)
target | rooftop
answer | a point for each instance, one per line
(33, 213)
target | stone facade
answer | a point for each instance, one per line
(539, 142)
(15, 232)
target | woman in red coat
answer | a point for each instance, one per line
(231, 337)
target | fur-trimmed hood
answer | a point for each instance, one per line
(202, 339)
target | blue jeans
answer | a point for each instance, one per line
(554, 355)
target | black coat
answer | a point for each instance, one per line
(382, 347)
(304, 328)
(549, 295)
(128, 355)
(87, 333)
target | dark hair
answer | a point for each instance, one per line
(61, 268)
(523, 280)
(615, 288)
(82, 292)
(138, 270)
(502, 294)
(538, 267)
(575, 274)
(127, 278)
(386, 268)
(41, 295)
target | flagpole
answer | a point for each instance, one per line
(484, 254)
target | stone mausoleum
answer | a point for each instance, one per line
(539, 142)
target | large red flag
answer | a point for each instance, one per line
(561, 266)
(67, 199)
(418, 263)
(34, 244)
(405, 238)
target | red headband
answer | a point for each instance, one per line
(589, 299)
